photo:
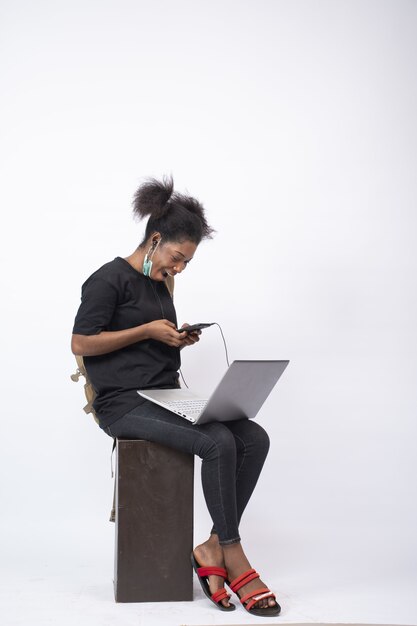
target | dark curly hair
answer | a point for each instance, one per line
(176, 216)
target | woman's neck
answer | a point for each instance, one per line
(136, 260)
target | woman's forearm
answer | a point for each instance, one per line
(107, 341)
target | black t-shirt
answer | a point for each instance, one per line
(117, 297)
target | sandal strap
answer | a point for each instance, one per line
(219, 595)
(243, 579)
(255, 596)
(212, 571)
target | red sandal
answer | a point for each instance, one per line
(203, 573)
(249, 599)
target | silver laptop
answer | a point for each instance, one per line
(241, 393)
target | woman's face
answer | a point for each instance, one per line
(171, 258)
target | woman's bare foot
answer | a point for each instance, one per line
(236, 564)
(210, 553)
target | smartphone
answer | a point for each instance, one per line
(189, 329)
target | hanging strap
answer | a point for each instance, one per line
(113, 509)
(111, 456)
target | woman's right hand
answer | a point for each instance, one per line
(165, 331)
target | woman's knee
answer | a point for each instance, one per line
(252, 435)
(261, 437)
(218, 442)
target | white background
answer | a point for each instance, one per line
(295, 124)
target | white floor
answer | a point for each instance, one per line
(63, 576)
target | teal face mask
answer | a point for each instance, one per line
(147, 266)
(147, 263)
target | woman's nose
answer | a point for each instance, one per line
(180, 267)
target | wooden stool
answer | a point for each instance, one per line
(154, 523)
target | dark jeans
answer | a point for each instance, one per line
(232, 454)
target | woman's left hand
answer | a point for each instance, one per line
(190, 338)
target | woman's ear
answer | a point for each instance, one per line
(155, 239)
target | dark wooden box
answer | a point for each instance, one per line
(154, 523)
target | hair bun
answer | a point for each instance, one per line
(152, 197)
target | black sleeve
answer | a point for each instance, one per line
(98, 302)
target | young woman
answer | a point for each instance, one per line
(126, 330)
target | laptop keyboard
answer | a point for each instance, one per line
(184, 407)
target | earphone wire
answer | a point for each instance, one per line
(155, 293)
(225, 349)
(224, 342)
(183, 379)
(214, 323)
